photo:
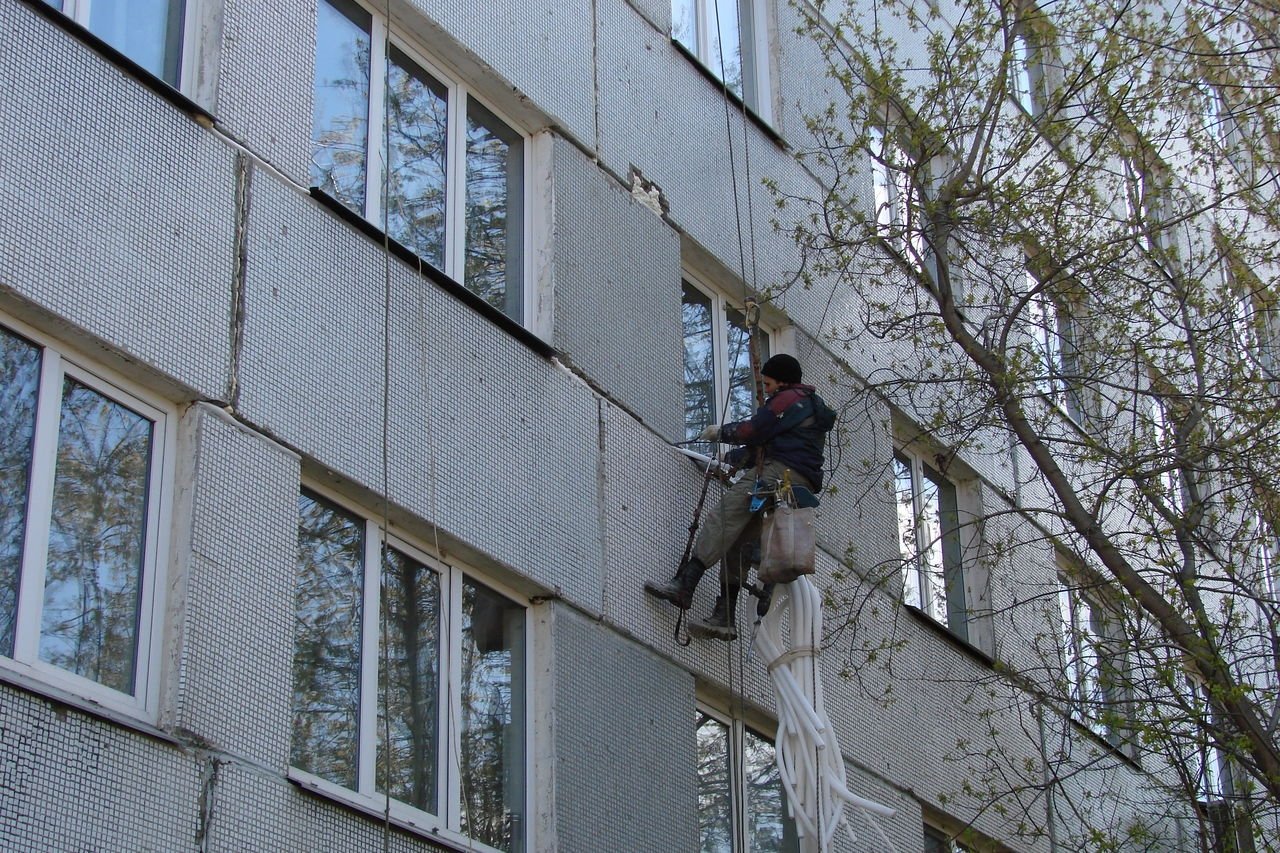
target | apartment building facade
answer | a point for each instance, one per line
(346, 349)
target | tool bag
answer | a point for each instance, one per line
(788, 538)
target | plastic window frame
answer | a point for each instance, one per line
(753, 36)
(1074, 600)
(721, 305)
(25, 666)
(933, 603)
(737, 730)
(188, 30)
(382, 36)
(445, 826)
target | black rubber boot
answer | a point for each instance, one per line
(720, 624)
(679, 590)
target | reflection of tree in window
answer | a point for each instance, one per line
(340, 127)
(96, 539)
(408, 680)
(326, 661)
(495, 171)
(722, 51)
(492, 726)
(742, 387)
(715, 808)
(769, 828)
(699, 362)
(1094, 659)
(19, 387)
(417, 129)
(928, 527)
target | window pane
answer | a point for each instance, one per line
(326, 658)
(493, 718)
(97, 537)
(699, 364)
(147, 31)
(408, 681)
(684, 23)
(770, 828)
(340, 127)
(715, 811)
(929, 527)
(19, 388)
(725, 56)
(417, 130)
(742, 392)
(495, 203)
(948, 521)
(904, 491)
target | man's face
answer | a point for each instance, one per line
(770, 385)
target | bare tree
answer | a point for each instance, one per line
(1062, 221)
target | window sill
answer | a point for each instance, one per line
(402, 818)
(954, 639)
(118, 59)
(62, 698)
(742, 106)
(1121, 750)
(426, 270)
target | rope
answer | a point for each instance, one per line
(384, 652)
(445, 648)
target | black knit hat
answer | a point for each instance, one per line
(783, 368)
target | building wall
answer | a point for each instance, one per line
(189, 256)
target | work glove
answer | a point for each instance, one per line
(711, 433)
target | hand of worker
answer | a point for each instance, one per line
(711, 433)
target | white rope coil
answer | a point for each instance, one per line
(809, 759)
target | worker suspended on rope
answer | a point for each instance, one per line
(787, 432)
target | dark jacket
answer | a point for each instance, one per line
(791, 426)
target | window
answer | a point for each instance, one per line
(741, 801)
(719, 385)
(147, 31)
(1053, 332)
(1253, 322)
(408, 680)
(453, 187)
(896, 195)
(937, 841)
(1028, 76)
(1165, 453)
(1094, 657)
(929, 530)
(82, 463)
(1143, 208)
(728, 37)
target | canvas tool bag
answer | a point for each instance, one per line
(787, 543)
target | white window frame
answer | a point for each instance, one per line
(1090, 696)
(753, 37)
(721, 372)
(381, 37)
(738, 801)
(446, 825)
(918, 584)
(25, 666)
(896, 196)
(80, 10)
(1052, 328)
(1027, 83)
(1163, 429)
